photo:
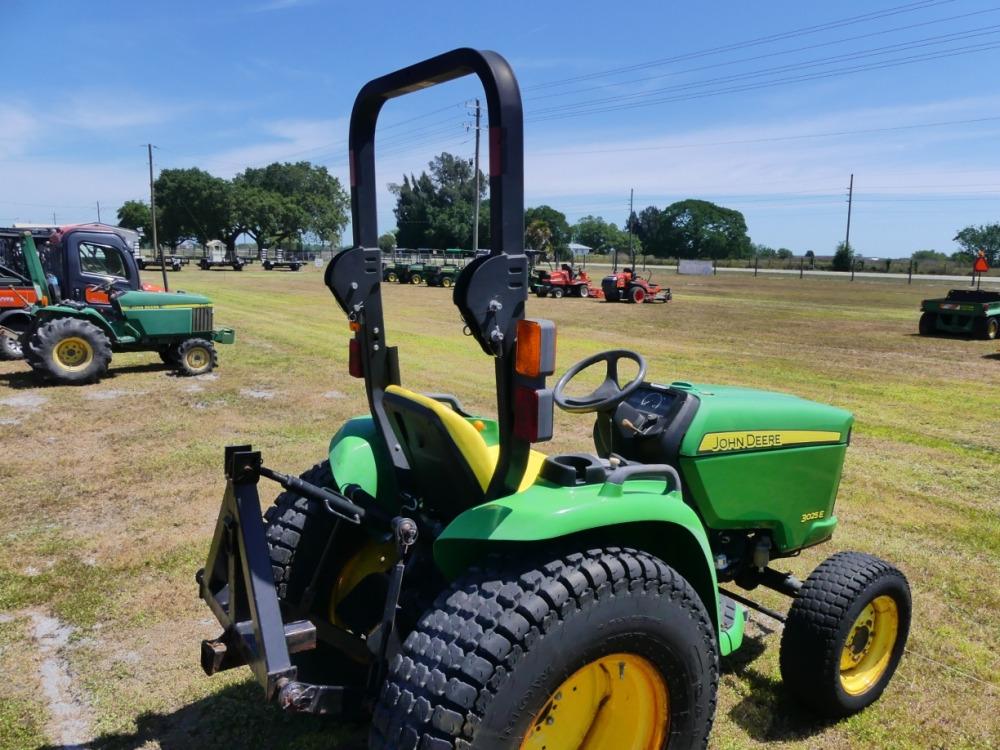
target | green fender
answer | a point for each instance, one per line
(87, 313)
(637, 514)
(357, 457)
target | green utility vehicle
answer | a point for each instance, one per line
(436, 573)
(973, 312)
(91, 303)
(443, 275)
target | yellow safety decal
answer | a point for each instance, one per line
(722, 442)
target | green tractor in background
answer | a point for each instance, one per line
(443, 275)
(436, 574)
(92, 303)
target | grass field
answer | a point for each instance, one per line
(110, 493)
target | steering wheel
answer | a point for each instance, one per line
(607, 394)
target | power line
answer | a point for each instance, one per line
(778, 82)
(622, 100)
(778, 53)
(803, 31)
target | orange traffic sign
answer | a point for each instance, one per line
(980, 266)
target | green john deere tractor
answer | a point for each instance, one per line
(437, 574)
(92, 303)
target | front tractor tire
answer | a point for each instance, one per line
(637, 295)
(845, 634)
(611, 648)
(196, 357)
(988, 328)
(556, 292)
(927, 324)
(70, 351)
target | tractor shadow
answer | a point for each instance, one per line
(20, 380)
(767, 713)
(995, 356)
(23, 380)
(234, 717)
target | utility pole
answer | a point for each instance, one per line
(475, 216)
(152, 215)
(850, 200)
(631, 254)
(54, 219)
(98, 212)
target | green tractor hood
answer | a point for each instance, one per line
(743, 419)
(161, 299)
(761, 460)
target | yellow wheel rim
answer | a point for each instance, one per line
(197, 358)
(74, 353)
(619, 701)
(372, 558)
(869, 646)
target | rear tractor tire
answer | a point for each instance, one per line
(10, 347)
(556, 292)
(446, 282)
(169, 355)
(845, 634)
(70, 351)
(415, 278)
(391, 277)
(583, 291)
(196, 357)
(607, 649)
(927, 323)
(298, 531)
(637, 295)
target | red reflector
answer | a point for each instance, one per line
(526, 409)
(354, 366)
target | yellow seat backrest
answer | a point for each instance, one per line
(481, 458)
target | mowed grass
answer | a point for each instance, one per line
(111, 493)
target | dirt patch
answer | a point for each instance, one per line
(25, 401)
(257, 393)
(111, 394)
(70, 720)
(334, 394)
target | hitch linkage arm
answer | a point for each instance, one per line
(334, 502)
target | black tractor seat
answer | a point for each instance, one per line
(451, 464)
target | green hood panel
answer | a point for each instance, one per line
(161, 299)
(743, 419)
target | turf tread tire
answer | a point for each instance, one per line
(297, 529)
(458, 659)
(819, 620)
(42, 340)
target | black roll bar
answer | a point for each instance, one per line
(490, 291)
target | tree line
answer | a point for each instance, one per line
(275, 205)
(283, 202)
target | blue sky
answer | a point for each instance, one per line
(746, 104)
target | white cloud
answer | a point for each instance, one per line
(764, 158)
